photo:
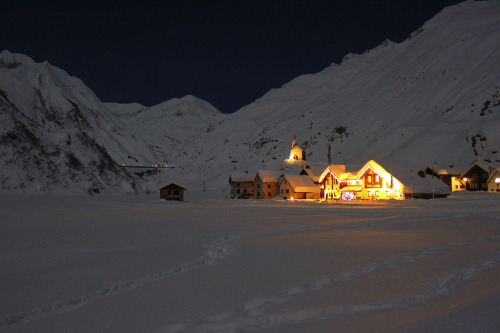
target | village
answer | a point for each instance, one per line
(299, 179)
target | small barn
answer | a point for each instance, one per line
(172, 191)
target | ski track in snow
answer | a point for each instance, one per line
(215, 250)
(252, 315)
(257, 313)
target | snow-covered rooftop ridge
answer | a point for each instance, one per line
(269, 176)
(300, 183)
(172, 183)
(241, 177)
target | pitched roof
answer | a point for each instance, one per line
(478, 163)
(450, 172)
(269, 176)
(301, 183)
(335, 169)
(314, 170)
(240, 178)
(407, 174)
(495, 174)
(173, 183)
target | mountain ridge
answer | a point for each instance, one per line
(431, 99)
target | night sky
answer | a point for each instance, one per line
(228, 53)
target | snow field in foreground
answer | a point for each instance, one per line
(139, 264)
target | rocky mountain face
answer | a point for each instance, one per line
(432, 99)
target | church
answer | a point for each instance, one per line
(297, 153)
(301, 179)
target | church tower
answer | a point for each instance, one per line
(296, 153)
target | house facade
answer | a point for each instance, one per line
(266, 184)
(451, 177)
(371, 182)
(172, 191)
(476, 176)
(329, 182)
(494, 181)
(241, 185)
(298, 187)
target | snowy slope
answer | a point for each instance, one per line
(434, 98)
(55, 133)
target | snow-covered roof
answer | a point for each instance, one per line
(495, 174)
(480, 164)
(450, 172)
(406, 173)
(301, 183)
(336, 169)
(314, 170)
(269, 176)
(240, 178)
(173, 183)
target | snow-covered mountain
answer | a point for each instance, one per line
(434, 98)
(55, 133)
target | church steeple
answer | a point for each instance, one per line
(296, 153)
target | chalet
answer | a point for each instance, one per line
(172, 191)
(476, 176)
(298, 187)
(371, 182)
(265, 184)
(329, 181)
(494, 181)
(241, 185)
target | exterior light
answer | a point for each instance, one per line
(497, 180)
(465, 179)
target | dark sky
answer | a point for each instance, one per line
(226, 52)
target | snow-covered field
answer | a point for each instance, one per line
(139, 264)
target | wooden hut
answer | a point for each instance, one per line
(172, 191)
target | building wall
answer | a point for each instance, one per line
(269, 190)
(172, 194)
(257, 188)
(457, 184)
(493, 184)
(238, 188)
(331, 188)
(286, 191)
(477, 179)
(296, 153)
